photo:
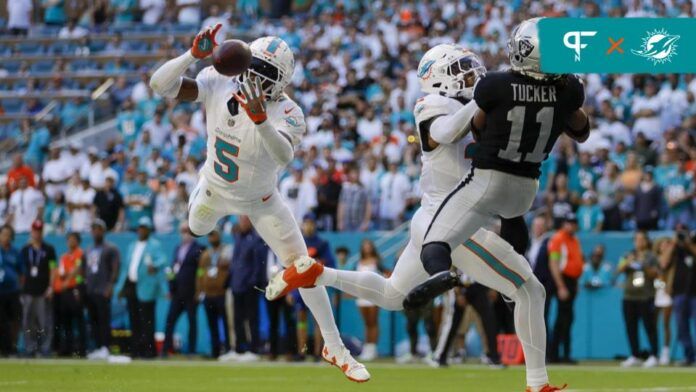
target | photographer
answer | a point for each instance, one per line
(680, 254)
(639, 267)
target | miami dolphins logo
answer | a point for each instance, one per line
(658, 46)
(424, 71)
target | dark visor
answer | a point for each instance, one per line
(463, 65)
(264, 69)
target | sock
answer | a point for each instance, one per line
(365, 285)
(531, 330)
(317, 300)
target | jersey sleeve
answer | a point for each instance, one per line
(287, 117)
(205, 81)
(429, 107)
(576, 95)
(484, 92)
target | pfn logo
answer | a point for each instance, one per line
(572, 40)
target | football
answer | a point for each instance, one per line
(232, 57)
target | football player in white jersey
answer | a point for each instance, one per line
(252, 129)
(447, 73)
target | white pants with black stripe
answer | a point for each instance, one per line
(482, 197)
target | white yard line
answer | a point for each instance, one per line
(654, 389)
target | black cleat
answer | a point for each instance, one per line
(431, 288)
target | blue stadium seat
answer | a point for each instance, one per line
(12, 105)
(48, 30)
(81, 65)
(183, 28)
(138, 46)
(29, 48)
(42, 66)
(97, 46)
(62, 48)
(11, 66)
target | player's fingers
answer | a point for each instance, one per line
(239, 98)
(259, 87)
(214, 32)
(245, 92)
(251, 89)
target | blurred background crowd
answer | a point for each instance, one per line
(71, 65)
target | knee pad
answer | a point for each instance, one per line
(436, 257)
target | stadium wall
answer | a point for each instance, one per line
(598, 331)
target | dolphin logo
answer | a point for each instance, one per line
(658, 46)
(425, 69)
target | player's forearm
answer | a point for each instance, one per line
(167, 79)
(275, 143)
(451, 128)
(579, 126)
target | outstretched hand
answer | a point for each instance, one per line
(252, 99)
(204, 43)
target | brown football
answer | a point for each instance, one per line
(232, 57)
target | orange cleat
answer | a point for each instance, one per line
(341, 358)
(302, 273)
(546, 388)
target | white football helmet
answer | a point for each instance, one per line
(450, 70)
(523, 49)
(273, 61)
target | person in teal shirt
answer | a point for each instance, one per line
(598, 273)
(665, 170)
(129, 122)
(38, 146)
(590, 215)
(54, 13)
(582, 175)
(679, 193)
(55, 215)
(137, 197)
(73, 111)
(124, 10)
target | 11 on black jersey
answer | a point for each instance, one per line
(524, 118)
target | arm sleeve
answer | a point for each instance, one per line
(276, 143)
(166, 80)
(451, 128)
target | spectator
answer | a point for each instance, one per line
(328, 191)
(26, 206)
(99, 171)
(137, 198)
(4, 205)
(679, 254)
(372, 262)
(124, 11)
(640, 269)
(214, 17)
(81, 206)
(54, 12)
(182, 288)
(55, 173)
(646, 109)
(101, 270)
(152, 11)
(560, 202)
(354, 209)
(632, 174)
(609, 194)
(74, 158)
(248, 271)
(663, 297)
(158, 129)
(213, 274)
(565, 264)
(68, 301)
(11, 272)
(108, 205)
(38, 144)
(282, 308)
(55, 215)
(647, 203)
(590, 215)
(37, 259)
(598, 273)
(163, 214)
(19, 16)
(394, 190)
(72, 30)
(298, 192)
(189, 12)
(679, 193)
(19, 171)
(141, 282)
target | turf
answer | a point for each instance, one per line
(75, 376)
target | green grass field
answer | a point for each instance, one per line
(75, 376)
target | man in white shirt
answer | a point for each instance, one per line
(80, 203)
(299, 193)
(394, 190)
(646, 109)
(72, 30)
(159, 130)
(369, 126)
(100, 170)
(189, 11)
(152, 11)
(19, 16)
(141, 89)
(73, 158)
(55, 173)
(215, 17)
(26, 205)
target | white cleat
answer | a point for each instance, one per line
(665, 356)
(651, 362)
(631, 362)
(231, 356)
(341, 358)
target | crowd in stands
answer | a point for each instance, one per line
(357, 168)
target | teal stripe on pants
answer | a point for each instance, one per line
(494, 263)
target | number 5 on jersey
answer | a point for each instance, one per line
(225, 166)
